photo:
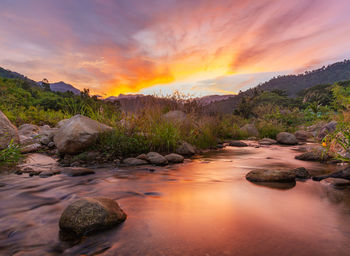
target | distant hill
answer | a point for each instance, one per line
(294, 84)
(63, 87)
(5, 73)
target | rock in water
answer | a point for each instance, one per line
(301, 173)
(271, 176)
(77, 171)
(91, 214)
(303, 135)
(315, 154)
(286, 138)
(237, 143)
(336, 182)
(157, 159)
(185, 149)
(342, 174)
(78, 133)
(134, 161)
(174, 158)
(8, 132)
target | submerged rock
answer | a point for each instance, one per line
(286, 138)
(301, 173)
(336, 182)
(91, 214)
(342, 174)
(185, 149)
(8, 132)
(156, 158)
(78, 133)
(237, 143)
(77, 171)
(271, 176)
(267, 141)
(174, 158)
(131, 161)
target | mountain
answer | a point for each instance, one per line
(206, 100)
(124, 97)
(5, 73)
(63, 87)
(294, 84)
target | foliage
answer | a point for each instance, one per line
(10, 155)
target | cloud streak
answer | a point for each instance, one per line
(128, 46)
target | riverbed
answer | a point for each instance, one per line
(204, 206)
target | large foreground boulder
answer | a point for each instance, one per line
(8, 131)
(271, 176)
(91, 214)
(286, 138)
(78, 133)
(185, 149)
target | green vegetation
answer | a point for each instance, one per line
(10, 155)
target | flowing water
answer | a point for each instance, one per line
(201, 207)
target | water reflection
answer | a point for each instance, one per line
(203, 207)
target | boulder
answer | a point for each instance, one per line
(286, 138)
(175, 116)
(46, 134)
(28, 130)
(301, 173)
(342, 174)
(318, 154)
(303, 135)
(61, 123)
(88, 214)
(174, 158)
(271, 176)
(267, 141)
(31, 148)
(157, 159)
(336, 182)
(237, 143)
(77, 134)
(134, 161)
(185, 149)
(250, 130)
(8, 132)
(23, 140)
(328, 128)
(142, 157)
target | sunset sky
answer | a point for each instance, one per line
(149, 46)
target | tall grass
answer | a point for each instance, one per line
(10, 155)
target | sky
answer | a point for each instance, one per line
(199, 47)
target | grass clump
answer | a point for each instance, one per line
(10, 155)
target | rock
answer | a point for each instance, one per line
(31, 148)
(175, 116)
(237, 143)
(24, 140)
(342, 174)
(250, 130)
(328, 128)
(61, 123)
(271, 176)
(46, 134)
(252, 138)
(303, 135)
(77, 171)
(336, 182)
(45, 174)
(301, 173)
(142, 157)
(267, 141)
(134, 161)
(78, 133)
(51, 144)
(286, 138)
(8, 132)
(28, 130)
(157, 159)
(91, 214)
(315, 154)
(174, 158)
(185, 149)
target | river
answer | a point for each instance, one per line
(204, 206)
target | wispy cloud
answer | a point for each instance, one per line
(202, 46)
